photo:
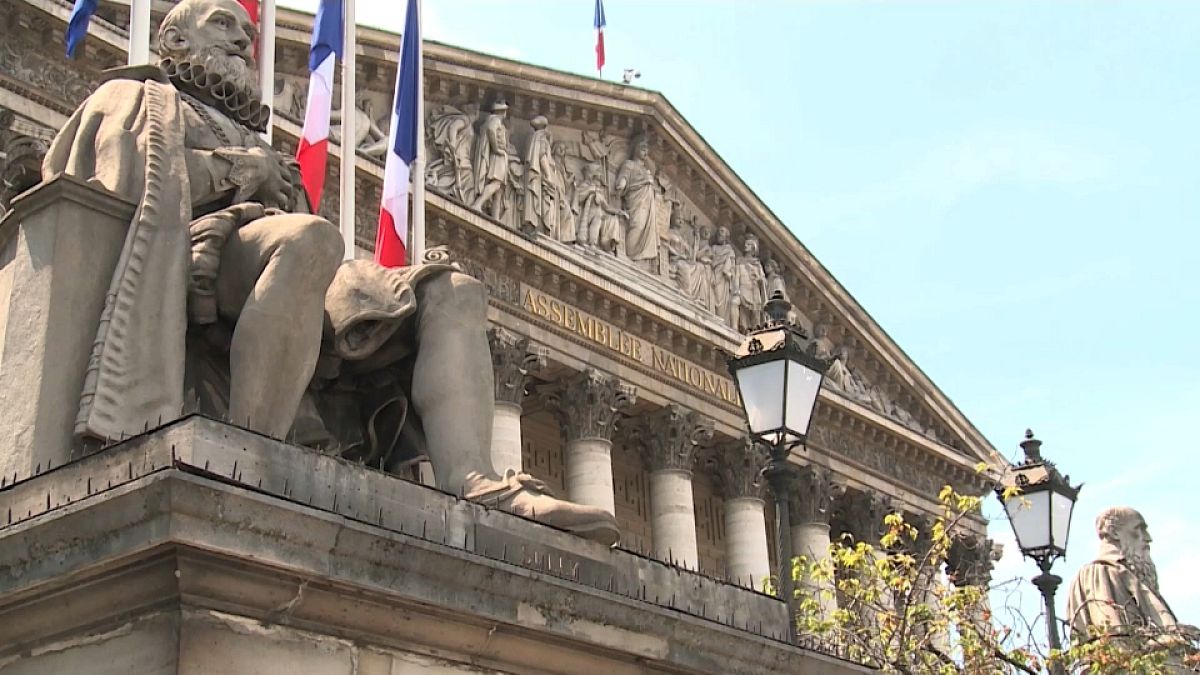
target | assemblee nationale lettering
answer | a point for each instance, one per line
(607, 335)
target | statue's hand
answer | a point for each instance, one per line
(260, 174)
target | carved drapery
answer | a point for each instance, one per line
(514, 358)
(669, 437)
(588, 404)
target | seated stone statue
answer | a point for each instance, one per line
(1120, 587)
(221, 236)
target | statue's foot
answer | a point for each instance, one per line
(527, 496)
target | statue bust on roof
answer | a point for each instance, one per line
(229, 291)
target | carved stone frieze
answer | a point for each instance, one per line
(588, 404)
(514, 358)
(41, 77)
(813, 492)
(669, 437)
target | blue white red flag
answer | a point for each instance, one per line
(77, 26)
(599, 24)
(313, 150)
(391, 240)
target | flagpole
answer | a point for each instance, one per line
(418, 170)
(139, 32)
(266, 58)
(346, 217)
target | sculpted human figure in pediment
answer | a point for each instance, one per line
(492, 162)
(600, 223)
(638, 189)
(689, 261)
(751, 286)
(451, 138)
(724, 277)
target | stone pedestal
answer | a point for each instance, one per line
(202, 548)
(58, 247)
(587, 406)
(747, 555)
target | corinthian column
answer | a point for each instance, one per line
(747, 552)
(513, 359)
(587, 405)
(813, 491)
(668, 439)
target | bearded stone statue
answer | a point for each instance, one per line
(224, 269)
(1120, 587)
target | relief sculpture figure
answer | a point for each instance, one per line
(751, 286)
(545, 183)
(599, 223)
(638, 189)
(568, 211)
(491, 162)
(689, 266)
(724, 282)
(451, 137)
(222, 242)
(369, 139)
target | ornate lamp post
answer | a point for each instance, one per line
(1040, 514)
(778, 381)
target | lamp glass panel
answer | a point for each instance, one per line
(761, 387)
(1029, 514)
(1061, 518)
(803, 386)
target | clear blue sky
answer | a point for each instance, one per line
(1011, 189)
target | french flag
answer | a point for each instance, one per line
(313, 150)
(599, 23)
(391, 240)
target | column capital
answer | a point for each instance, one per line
(669, 437)
(813, 492)
(514, 357)
(861, 514)
(738, 466)
(970, 561)
(588, 403)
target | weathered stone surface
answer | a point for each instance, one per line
(64, 230)
(311, 557)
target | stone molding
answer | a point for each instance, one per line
(514, 358)
(669, 437)
(588, 404)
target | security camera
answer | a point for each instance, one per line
(630, 75)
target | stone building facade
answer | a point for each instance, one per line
(623, 260)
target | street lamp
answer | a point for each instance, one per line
(778, 381)
(1040, 513)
